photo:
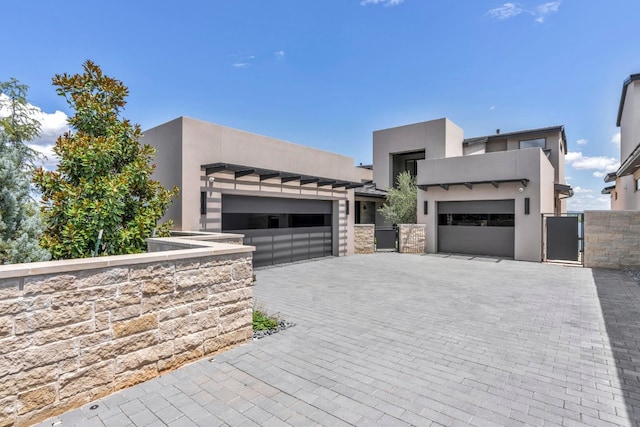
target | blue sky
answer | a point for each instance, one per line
(327, 73)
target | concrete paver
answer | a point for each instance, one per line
(391, 339)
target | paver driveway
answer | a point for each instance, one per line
(391, 339)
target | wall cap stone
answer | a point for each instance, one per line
(197, 248)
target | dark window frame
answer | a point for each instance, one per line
(543, 145)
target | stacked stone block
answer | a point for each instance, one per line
(364, 237)
(412, 238)
(67, 338)
(612, 239)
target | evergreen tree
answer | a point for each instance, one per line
(103, 181)
(20, 225)
(401, 204)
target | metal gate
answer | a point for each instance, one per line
(386, 238)
(563, 237)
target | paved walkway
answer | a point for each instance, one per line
(392, 339)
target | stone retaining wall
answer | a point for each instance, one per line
(412, 238)
(612, 239)
(364, 237)
(74, 331)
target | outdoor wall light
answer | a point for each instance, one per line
(426, 207)
(520, 189)
(527, 205)
(211, 179)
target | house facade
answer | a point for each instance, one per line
(624, 187)
(291, 202)
(482, 195)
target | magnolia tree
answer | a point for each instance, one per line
(401, 204)
(102, 186)
(20, 225)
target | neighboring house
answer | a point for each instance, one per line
(481, 195)
(625, 192)
(291, 202)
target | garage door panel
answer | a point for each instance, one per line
(492, 241)
(299, 229)
(482, 227)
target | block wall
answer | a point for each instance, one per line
(612, 239)
(70, 337)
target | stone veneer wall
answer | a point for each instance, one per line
(412, 238)
(364, 237)
(612, 239)
(74, 331)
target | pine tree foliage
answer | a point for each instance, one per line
(103, 180)
(401, 204)
(20, 224)
(18, 124)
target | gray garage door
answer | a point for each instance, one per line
(483, 227)
(282, 230)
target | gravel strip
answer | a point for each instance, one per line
(282, 325)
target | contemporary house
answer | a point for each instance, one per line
(291, 202)
(481, 195)
(625, 192)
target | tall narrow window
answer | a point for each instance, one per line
(203, 203)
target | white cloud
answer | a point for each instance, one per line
(539, 13)
(545, 9)
(581, 141)
(615, 139)
(52, 125)
(599, 163)
(386, 3)
(240, 65)
(580, 190)
(279, 54)
(493, 107)
(506, 11)
(588, 202)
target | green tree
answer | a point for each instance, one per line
(401, 204)
(103, 180)
(20, 225)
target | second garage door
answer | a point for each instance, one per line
(485, 227)
(282, 230)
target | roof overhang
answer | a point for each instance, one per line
(563, 189)
(527, 133)
(608, 190)
(469, 184)
(610, 177)
(240, 171)
(630, 165)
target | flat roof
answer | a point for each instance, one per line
(478, 139)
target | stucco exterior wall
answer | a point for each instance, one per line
(515, 164)
(439, 138)
(185, 144)
(611, 239)
(630, 120)
(167, 140)
(74, 331)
